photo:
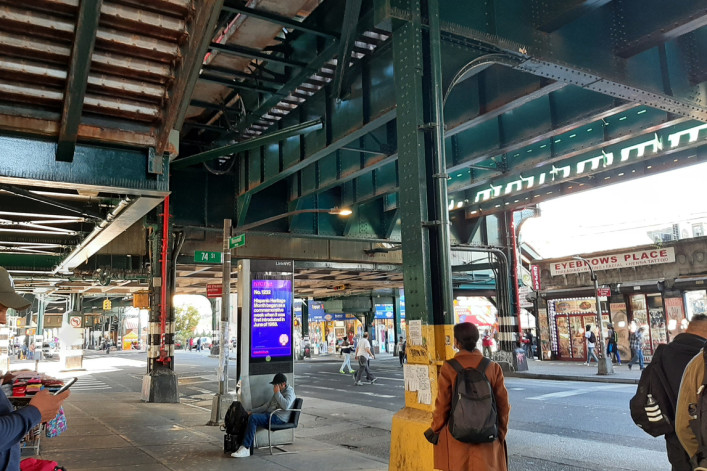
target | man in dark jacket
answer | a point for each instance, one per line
(673, 359)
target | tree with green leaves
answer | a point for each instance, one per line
(186, 319)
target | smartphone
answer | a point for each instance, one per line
(66, 386)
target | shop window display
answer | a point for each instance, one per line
(570, 318)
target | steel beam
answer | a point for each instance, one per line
(643, 29)
(77, 79)
(249, 144)
(232, 6)
(348, 29)
(96, 169)
(186, 72)
(241, 75)
(236, 85)
(563, 12)
(250, 53)
(108, 231)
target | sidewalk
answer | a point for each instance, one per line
(111, 431)
(574, 371)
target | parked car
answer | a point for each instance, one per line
(178, 345)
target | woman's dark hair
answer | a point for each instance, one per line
(467, 334)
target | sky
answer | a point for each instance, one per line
(618, 216)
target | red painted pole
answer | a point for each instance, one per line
(163, 299)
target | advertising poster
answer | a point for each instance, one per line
(271, 319)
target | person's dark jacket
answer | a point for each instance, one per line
(674, 358)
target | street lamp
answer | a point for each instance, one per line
(336, 211)
(605, 365)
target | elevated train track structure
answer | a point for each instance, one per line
(281, 111)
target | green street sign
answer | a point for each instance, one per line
(208, 257)
(237, 241)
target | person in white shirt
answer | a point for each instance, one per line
(363, 355)
(591, 344)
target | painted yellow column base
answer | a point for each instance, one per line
(409, 450)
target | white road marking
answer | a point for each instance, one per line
(349, 391)
(351, 374)
(576, 392)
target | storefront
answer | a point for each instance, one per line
(325, 329)
(383, 337)
(568, 318)
(654, 288)
(477, 310)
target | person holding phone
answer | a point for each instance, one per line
(14, 424)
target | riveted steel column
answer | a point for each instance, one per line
(424, 226)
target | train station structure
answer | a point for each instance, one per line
(338, 151)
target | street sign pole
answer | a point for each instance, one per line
(222, 373)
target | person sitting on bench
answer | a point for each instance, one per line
(283, 397)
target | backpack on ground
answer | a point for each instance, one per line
(592, 337)
(234, 424)
(650, 404)
(473, 417)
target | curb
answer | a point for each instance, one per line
(593, 379)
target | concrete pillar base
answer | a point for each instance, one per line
(605, 366)
(160, 385)
(409, 450)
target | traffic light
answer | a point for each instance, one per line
(106, 305)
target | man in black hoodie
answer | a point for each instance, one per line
(673, 359)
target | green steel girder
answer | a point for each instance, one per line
(77, 78)
(24, 262)
(683, 142)
(593, 135)
(545, 93)
(562, 12)
(647, 30)
(32, 162)
(346, 42)
(555, 56)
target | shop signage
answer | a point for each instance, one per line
(214, 290)
(620, 260)
(316, 309)
(384, 311)
(658, 142)
(604, 292)
(330, 317)
(535, 277)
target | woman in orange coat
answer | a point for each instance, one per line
(449, 453)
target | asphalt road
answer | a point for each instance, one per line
(554, 425)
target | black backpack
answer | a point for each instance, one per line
(473, 417)
(650, 405)
(234, 424)
(592, 337)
